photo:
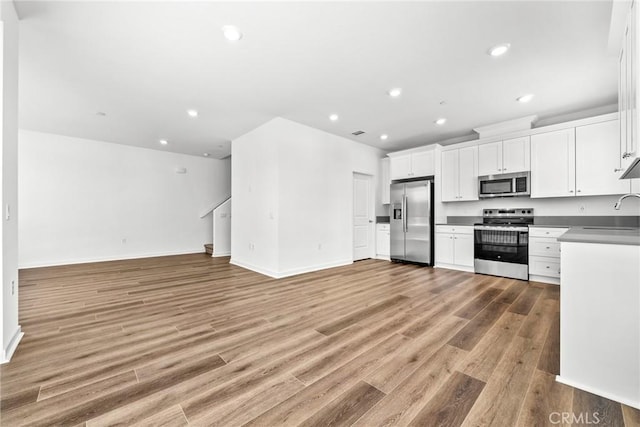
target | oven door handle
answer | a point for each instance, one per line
(500, 228)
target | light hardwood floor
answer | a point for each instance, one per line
(193, 340)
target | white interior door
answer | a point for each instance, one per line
(362, 217)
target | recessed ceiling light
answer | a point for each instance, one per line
(333, 117)
(441, 121)
(384, 137)
(192, 113)
(499, 50)
(231, 33)
(525, 98)
(206, 154)
(163, 142)
(395, 92)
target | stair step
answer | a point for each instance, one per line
(208, 248)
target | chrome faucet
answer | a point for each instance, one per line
(619, 202)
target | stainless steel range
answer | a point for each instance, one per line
(501, 242)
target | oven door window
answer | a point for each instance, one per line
(496, 186)
(502, 245)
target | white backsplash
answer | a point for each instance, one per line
(560, 206)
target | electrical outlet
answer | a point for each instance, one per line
(252, 246)
(319, 246)
(13, 287)
(582, 209)
(124, 240)
(7, 212)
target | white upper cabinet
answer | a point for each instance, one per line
(598, 160)
(581, 161)
(628, 93)
(490, 158)
(459, 178)
(510, 155)
(423, 164)
(468, 173)
(449, 176)
(516, 155)
(412, 165)
(628, 88)
(553, 164)
(400, 167)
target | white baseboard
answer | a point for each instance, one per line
(596, 391)
(383, 257)
(291, 272)
(255, 268)
(456, 267)
(7, 353)
(71, 261)
(311, 268)
(220, 254)
(544, 279)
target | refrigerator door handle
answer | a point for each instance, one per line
(404, 214)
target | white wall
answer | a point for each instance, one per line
(254, 201)
(306, 206)
(9, 142)
(222, 230)
(83, 200)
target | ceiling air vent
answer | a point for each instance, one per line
(357, 133)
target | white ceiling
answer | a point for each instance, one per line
(145, 63)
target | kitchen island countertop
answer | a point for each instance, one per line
(603, 235)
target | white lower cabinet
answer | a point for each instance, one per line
(454, 247)
(544, 254)
(383, 241)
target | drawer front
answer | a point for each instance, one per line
(384, 227)
(546, 232)
(455, 229)
(544, 247)
(543, 266)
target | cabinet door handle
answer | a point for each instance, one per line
(570, 191)
(548, 266)
(504, 169)
(625, 155)
(618, 170)
(548, 247)
(579, 191)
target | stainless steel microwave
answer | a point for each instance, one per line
(504, 185)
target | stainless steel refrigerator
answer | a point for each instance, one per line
(412, 221)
